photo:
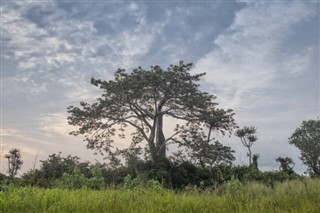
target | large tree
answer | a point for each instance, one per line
(307, 139)
(142, 99)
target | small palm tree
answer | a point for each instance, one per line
(248, 137)
(286, 164)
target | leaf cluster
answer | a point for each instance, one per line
(247, 135)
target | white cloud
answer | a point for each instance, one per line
(248, 57)
(7, 132)
(65, 48)
(298, 62)
(54, 124)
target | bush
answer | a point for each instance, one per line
(154, 185)
(233, 188)
(97, 180)
(130, 183)
(75, 180)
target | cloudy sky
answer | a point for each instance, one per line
(261, 59)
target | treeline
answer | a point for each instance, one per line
(70, 172)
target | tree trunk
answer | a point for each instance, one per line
(160, 139)
(158, 149)
(209, 134)
(250, 158)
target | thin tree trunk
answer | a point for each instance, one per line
(209, 134)
(250, 159)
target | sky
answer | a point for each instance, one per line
(261, 59)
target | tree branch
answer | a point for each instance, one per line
(138, 128)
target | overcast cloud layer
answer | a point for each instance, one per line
(261, 59)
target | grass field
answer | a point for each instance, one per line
(294, 196)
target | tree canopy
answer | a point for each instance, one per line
(202, 149)
(307, 139)
(142, 99)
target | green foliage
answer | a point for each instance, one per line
(307, 139)
(221, 173)
(154, 185)
(55, 166)
(184, 174)
(171, 174)
(137, 183)
(293, 196)
(35, 178)
(286, 164)
(254, 164)
(66, 172)
(203, 150)
(130, 183)
(114, 177)
(97, 180)
(3, 178)
(50, 170)
(233, 188)
(77, 180)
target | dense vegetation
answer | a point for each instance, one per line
(294, 196)
(70, 172)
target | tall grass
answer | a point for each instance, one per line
(294, 196)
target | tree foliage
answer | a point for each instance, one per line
(67, 172)
(56, 165)
(203, 150)
(176, 174)
(14, 161)
(52, 169)
(307, 139)
(286, 164)
(142, 100)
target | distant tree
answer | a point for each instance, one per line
(142, 100)
(286, 164)
(14, 162)
(56, 165)
(307, 139)
(53, 169)
(248, 137)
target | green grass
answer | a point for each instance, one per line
(294, 196)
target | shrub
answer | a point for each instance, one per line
(130, 183)
(75, 180)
